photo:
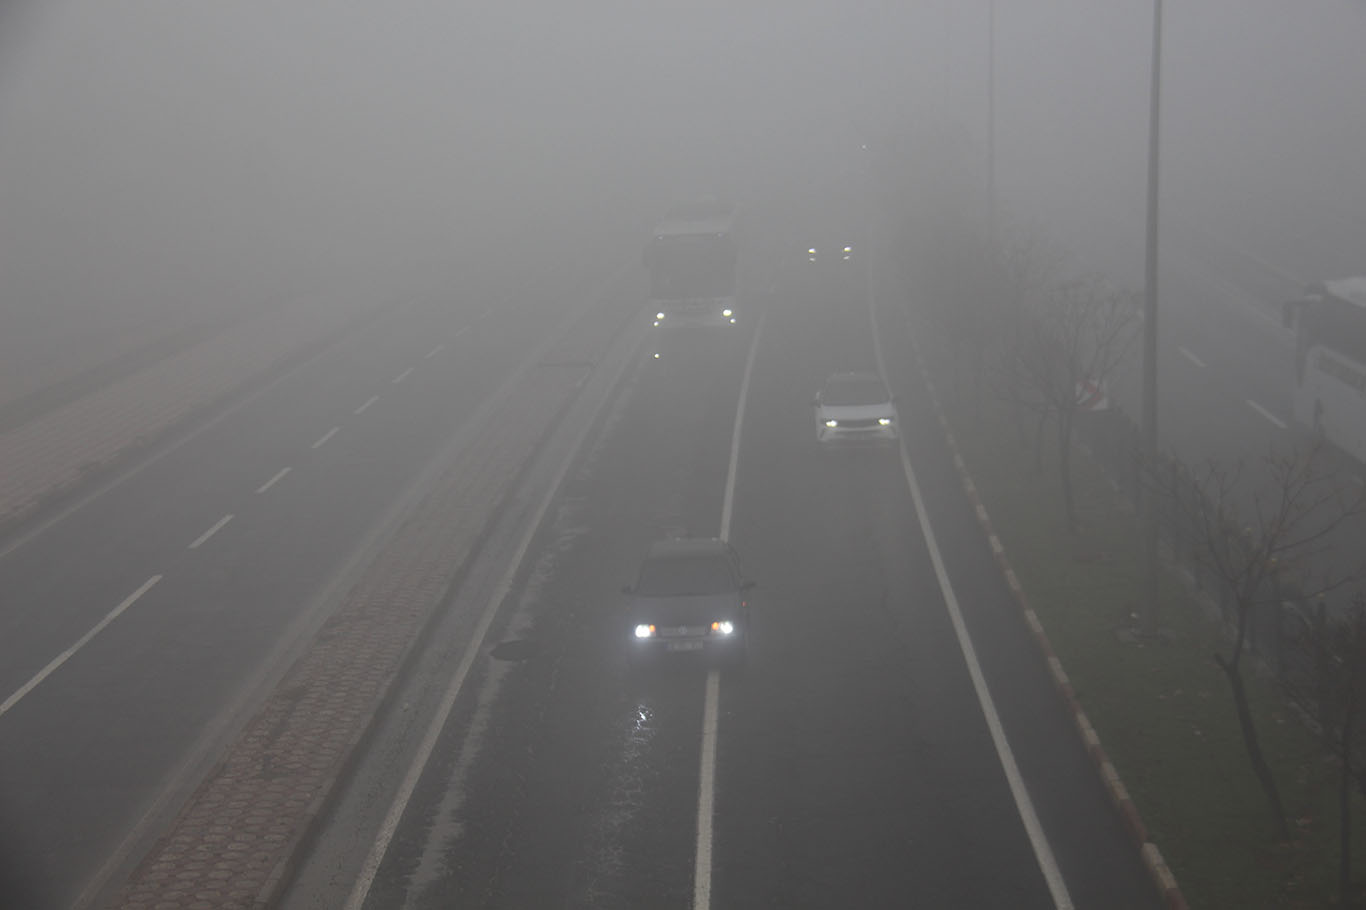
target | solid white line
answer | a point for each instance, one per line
(279, 476)
(1192, 358)
(363, 408)
(1265, 413)
(326, 436)
(728, 501)
(217, 526)
(706, 795)
(1024, 805)
(80, 643)
(433, 352)
(385, 835)
(402, 376)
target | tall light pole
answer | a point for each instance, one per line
(1149, 455)
(991, 129)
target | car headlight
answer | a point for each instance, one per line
(645, 631)
(884, 421)
(725, 627)
(659, 315)
(727, 312)
(832, 423)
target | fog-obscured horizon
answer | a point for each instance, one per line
(160, 159)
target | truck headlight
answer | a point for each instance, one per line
(725, 627)
(645, 631)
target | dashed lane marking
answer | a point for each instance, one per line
(433, 352)
(322, 440)
(214, 529)
(279, 476)
(81, 642)
(1192, 358)
(1276, 421)
(402, 376)
(363, 408)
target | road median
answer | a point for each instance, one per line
(234, 842)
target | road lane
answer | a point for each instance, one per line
(90, 750)
(853, 763)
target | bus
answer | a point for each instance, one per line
(692, 263)
(1329, 322)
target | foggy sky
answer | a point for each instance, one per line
(163, 159)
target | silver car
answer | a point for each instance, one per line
(689, 597)
(854, 408)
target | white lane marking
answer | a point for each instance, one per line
(325, 437)
(402, 376)
(1024, 805)
(385, 835)
(217, 526)
(460, 331)
(81, 642)
(706, 773)
(706, 795)
(433, 352)
(279, 476)
(363, 408)
(1192, 358)
(1267, 414)
(728, 501)
(171, 448)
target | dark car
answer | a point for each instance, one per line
(689, 597)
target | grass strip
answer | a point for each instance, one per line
(1163, 711)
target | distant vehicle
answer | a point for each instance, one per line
(1329, 322)
(689, 597)
(836, 253)
(855, 408)
(692, 258)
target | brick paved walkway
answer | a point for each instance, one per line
(232, 844)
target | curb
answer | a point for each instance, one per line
(277, 885)
(237, 839)
(1158, 871)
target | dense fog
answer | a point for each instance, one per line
(157, 160)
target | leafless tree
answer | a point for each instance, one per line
(1252, 530)
(1078, 333)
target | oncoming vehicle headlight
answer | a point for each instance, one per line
(832, 423)
(727, 312)
(644, 631)
(659, 315)
(725, 627)
(884, 421)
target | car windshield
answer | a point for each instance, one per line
(855, 391)
(682, 576)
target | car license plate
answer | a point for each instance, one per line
(683, 646)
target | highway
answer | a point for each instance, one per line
(140, 630)
(860, 756)
(851, 762)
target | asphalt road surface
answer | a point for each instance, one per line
(136, 633)
(853, 760)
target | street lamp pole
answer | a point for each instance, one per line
(1149, 455)
(991, 129)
